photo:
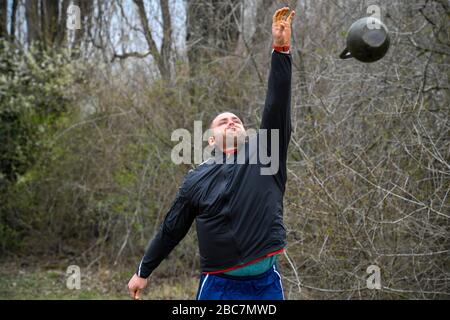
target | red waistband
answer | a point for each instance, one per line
(248, 263)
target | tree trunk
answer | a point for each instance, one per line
(3, 19)
(149, 38)
(263, 23)
(13, 19)
(32, 17)
(61, 35)
(167, 35)
(212, 29)
(49, 22)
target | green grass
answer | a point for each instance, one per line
(103, 284)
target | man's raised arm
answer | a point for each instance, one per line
(277, 108)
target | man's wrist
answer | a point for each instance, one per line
(141, 276)
(281, 49)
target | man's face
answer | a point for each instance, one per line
(227, 131)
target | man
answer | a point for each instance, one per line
(238, 210)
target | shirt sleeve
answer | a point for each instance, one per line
(277, 108)
(172, 230)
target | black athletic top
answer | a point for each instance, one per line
(238, 211)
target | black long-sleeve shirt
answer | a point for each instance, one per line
(237, 209)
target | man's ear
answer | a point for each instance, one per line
(211, 140)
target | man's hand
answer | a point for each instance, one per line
(281, 27)
(136, 285)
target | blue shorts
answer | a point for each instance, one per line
(266, 286)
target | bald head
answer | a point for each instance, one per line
(222, 117)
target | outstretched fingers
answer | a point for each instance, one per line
(280, 14)
(290, 17)
(275, 16)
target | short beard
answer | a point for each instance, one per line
(234, 140)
